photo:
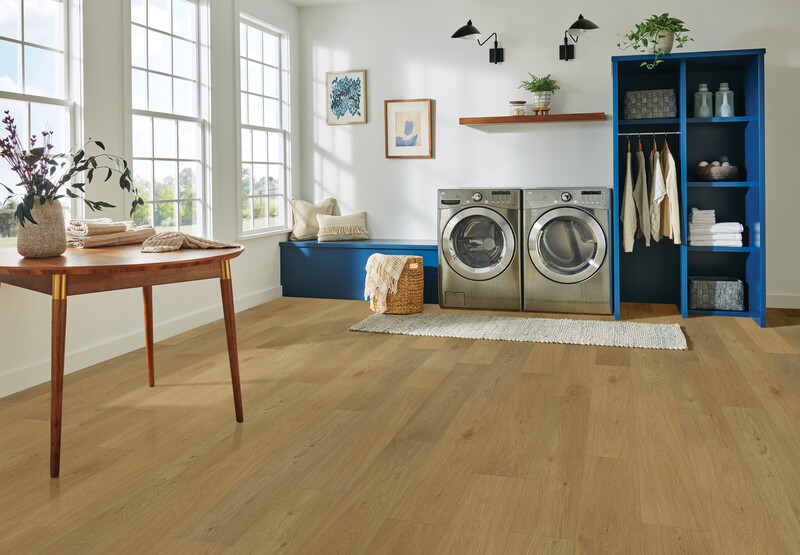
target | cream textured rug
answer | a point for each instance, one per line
(536, 330)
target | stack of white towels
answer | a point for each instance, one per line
(704, 231)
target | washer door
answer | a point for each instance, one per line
(567, 245)
(478, 243)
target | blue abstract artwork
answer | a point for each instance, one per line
(407, 127)
(345, 97)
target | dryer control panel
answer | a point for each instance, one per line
(498, 198)
(599, 198)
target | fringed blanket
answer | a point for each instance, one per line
(174, 240)
(383, 272)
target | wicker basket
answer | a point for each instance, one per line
(408, 299)
(659, 103)
(716, 293)
(718, 173)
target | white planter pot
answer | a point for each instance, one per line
(663, 41)
(542, 99)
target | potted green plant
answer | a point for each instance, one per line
(656, 35)
(44, 176)
(542, 89)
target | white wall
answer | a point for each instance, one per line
(105, 325)
(408, 53)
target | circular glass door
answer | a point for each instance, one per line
(567, 245)
(478, 243)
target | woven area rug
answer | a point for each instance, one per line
(536, 330)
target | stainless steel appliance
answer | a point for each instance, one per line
(478, 248)
(565, 250)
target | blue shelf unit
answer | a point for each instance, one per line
(336, 269)
(659, 274)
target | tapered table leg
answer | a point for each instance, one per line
(147, 297)
(230, 332)
(57, 343)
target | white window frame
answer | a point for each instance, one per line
(203, 109)
(73, 80)
(284, 124)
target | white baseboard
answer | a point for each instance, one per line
(39, 372)
(783, 301)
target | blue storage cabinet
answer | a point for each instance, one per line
(336, 269)
(659, 274)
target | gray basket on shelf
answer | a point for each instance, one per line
(716, 293)
(657, 103)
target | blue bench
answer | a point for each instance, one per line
(335, 269)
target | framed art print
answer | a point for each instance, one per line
(408, 128)
(346, 97)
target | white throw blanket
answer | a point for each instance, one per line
(383, 273)
(657, 194)
(722, 227)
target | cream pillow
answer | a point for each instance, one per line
(304, 215)
(342, 228)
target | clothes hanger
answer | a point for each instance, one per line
(640, 142)
(629, 145)
(666, 146)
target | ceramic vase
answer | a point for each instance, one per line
(48, 236)
(663, 40)
(541, 99)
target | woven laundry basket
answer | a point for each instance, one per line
(408, 299)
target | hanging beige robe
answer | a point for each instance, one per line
(670, 207)
(641, 199)
(657, 193)
(628, 215)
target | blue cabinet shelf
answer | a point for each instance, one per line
(660, 273)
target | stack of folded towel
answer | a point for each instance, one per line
(103, 232)
(704, 231)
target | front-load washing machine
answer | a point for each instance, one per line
(565, 254)
(478, 248)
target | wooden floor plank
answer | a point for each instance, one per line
(549, 503)
(668, 492)
(483, 519)
(664, 540)
(736, 520)
(409, 538)
(611, 427)
(610, 520)
(529, 544)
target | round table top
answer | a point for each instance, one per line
(102, 260)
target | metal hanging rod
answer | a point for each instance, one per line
(649, 133)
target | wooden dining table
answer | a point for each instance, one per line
(82, 271)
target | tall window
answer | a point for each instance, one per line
(34, 85)
(265, 129)
(168, 123)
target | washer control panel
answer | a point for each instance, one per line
(498, 198)
(599, 198)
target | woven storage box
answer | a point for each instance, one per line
(716, 293)
(658, 103)
(408, 299)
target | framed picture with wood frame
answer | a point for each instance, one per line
(408, 128)
(346, 97)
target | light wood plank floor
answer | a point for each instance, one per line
(366, 443)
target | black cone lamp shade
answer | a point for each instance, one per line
(469, 32)
(566, 51)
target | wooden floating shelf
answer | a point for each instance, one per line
(493, 120)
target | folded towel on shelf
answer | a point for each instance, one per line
(715, 236)
(715, 243)
(174, 240)
(96, 226)
(133, 235)
(721, 227)
(696, 212)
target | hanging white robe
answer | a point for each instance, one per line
(641, 199)
(670, 214)
(657, 193)
(628, 215)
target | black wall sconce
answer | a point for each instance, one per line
(566, 51)
(469, 32)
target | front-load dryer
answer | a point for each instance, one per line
(479, 263)
(565, 250)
